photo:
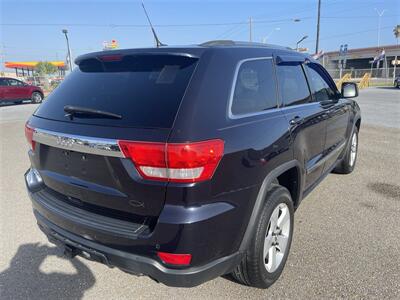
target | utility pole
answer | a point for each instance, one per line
(318, 23)
(65, 31)
(250, 29)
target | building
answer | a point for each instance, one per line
(360, 60)
(26, 68)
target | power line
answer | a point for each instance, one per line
(132, 25)
(260, 21)
(310, 7)
(347, 34)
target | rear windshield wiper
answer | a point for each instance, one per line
(71, 111)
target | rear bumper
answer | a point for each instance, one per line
(122, 245)
(136, 264)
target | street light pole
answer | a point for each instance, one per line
(65, 31)
(302, 39)
(318, 22)
(380, 14)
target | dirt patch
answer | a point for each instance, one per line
(367, 205)
(386, 189)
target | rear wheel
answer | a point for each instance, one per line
(36, 97)
(269, 248)
(348, 163)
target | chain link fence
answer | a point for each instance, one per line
(380, 73)
(379, 77)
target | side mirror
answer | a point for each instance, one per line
(349, 90)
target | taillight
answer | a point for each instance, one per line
(29, 135)
(175, 162)
(175, 259)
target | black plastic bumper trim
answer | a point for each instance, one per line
(137, 264)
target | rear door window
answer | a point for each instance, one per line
(255, 88)
(13, 82)
(146, 90)
(293, 86)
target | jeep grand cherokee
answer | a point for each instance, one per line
(187, 163)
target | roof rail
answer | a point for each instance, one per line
(239, 43)
(217, 43)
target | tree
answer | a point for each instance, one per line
(45, 68)
(396, 31)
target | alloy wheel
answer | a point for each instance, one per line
(353, 149)
(276, 237)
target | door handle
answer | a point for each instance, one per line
(295, 121)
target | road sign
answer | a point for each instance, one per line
(110, 45)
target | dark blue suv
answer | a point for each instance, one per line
(187, 163)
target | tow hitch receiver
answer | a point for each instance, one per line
(70, 252)
(72, 249)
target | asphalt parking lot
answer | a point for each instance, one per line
(346, 242)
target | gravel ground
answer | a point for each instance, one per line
(346, 242)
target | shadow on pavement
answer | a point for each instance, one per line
(24, 280)
(386, 87)
(2, 104)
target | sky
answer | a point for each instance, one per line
(31, 30)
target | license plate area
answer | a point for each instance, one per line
(88, 167)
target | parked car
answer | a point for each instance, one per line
(397, 82)
(14, 90)
(184, 164)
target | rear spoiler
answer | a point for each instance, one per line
(121, 53)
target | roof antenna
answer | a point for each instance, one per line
(158, 43)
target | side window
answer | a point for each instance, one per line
(3, 82)
(255, 88)
(293, 85)
(320, 88)
(13, 82)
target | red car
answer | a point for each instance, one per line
(13, 90)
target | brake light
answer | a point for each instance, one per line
(109, 58)
(175, 259)
(29, 135)
(175, 162)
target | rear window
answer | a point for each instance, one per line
(255, 88)
(146, 90)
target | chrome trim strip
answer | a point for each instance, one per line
(324, 159)
(90, 145)
(239, 64)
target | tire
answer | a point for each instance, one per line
(257, 270)
(36, 97)
(348, 163)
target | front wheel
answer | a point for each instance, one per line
(348, 163)
(269, 247)
(36, 97)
